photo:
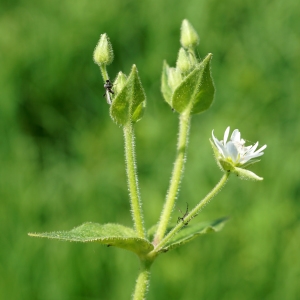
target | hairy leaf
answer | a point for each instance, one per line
(190, 232)
(107, 234)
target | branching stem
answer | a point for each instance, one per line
(194, 211)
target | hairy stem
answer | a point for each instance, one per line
(132, 177)
(184, 126)
(142, 283)
(195, 211)
(104, 72)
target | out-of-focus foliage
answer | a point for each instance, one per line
(61, 157)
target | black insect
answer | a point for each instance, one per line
(184, 215)
(108, 86)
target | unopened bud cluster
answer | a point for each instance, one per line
(189, 86)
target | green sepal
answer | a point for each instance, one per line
(138, 102)
(246, 174)
(216, 153)
(119, 109)
(250, 163)
(190, 232)
(226, 165)
(108, 234)
(196, 91)
(165, 88)
(130, 102)
(242, 173)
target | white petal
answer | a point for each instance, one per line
(232, 151)
(248, 157)
(253, 148)
(261, 149)
(226, 134)
(236, 136)
(218, 144)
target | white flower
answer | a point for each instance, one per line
(233, 154)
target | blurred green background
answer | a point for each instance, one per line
(62, 160)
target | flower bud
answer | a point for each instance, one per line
(103, 53)
(183, 61)
(189, 37)
(119, 82)
(174, 78)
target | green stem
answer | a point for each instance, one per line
(184, 126)
(142, 283)
(104, 72)
(135, 202)
(194, 212)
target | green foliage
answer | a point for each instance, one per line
(165, 87)
(130, 102)
(188, 233)
(107, 234)
(189, 87)
(196, 92)
(61, 156)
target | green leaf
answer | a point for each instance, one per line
(138, 100)
(190, 232)
(165, 88)
(130, 102)
(107, 234)
(196, 91)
